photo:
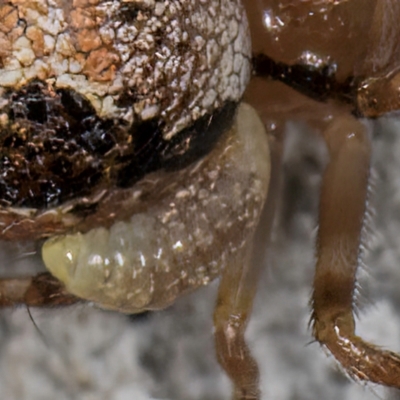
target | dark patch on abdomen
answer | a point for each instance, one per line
(55, 148)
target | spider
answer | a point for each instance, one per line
(135, 177)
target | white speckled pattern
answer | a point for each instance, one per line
(178, 59)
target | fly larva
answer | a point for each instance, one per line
(181, 237)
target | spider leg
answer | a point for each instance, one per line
(238, 287)
(342, 212)
(42, 290)
(234, 304)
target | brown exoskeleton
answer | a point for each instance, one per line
(131, 171)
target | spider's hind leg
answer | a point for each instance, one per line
(342, 214)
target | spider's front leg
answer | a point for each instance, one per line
(342, 214)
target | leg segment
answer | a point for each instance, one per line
(237, 290)
(342, 213)
(42, 290)
(234, 304)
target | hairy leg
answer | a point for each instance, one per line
(342, 212)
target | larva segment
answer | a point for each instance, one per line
(198, 227)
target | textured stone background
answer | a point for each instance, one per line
(83, 353)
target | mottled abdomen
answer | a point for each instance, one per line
(95, 95)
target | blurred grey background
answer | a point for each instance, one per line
(82, 353)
